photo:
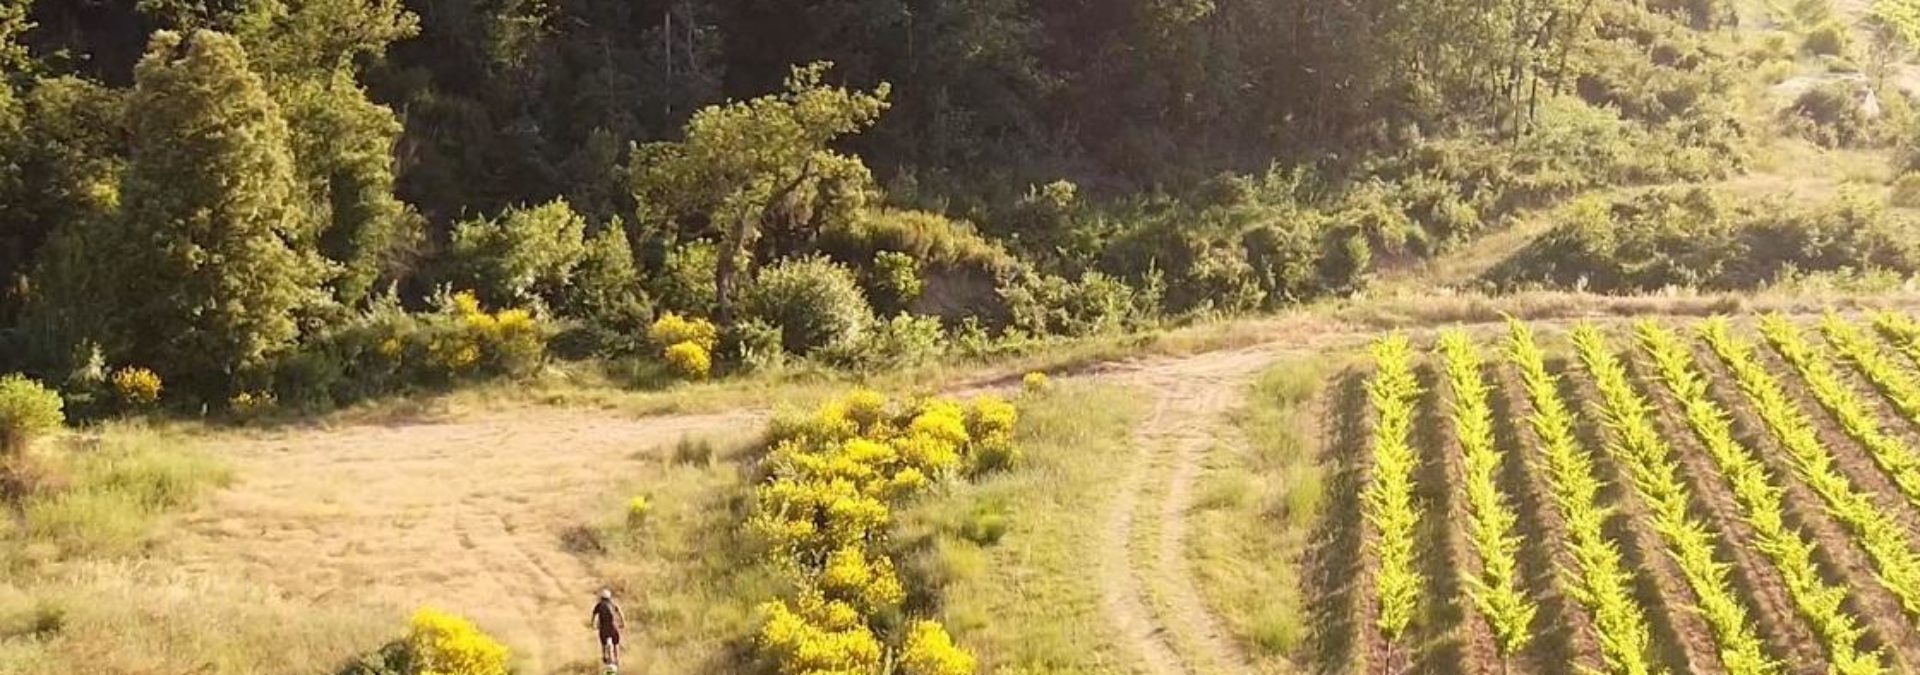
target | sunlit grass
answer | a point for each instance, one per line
(1257, 505)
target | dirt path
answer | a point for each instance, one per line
(467, 515)
(1146, 582)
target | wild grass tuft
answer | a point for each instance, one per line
(1256, 507)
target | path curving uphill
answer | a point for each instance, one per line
(1147, 586)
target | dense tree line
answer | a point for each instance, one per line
(245, 193)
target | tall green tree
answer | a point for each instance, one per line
(758, 177)
(217, 258)
(310, 54)
(70, 152)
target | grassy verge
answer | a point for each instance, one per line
(621, 387)
(76, 517)
(1006, 556)
(687, 570)
(1013, 553)
(1255, 512)
(98, 494)
(126, 617)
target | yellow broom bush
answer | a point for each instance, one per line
(1036, 382)
(930, 651)
(445, 644)
(825, 511)
(137, 386)
(689, 361)
(672, 329)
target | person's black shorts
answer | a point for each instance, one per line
(612, 635)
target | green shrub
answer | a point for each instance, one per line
(1050, 305)
(1831, 114)
(525, 254)
(27, 410)
(605, 286)
(752, 345)
(815, 303)
(1830, 38)
(904, 340)
(931, 238)
(893, 282)
(1906, 191)
(1349, 258)
(386, 349)
(684, 282)
(1283, 258)
(1048, 223)
(1697, 238)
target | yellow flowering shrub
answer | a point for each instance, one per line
(825, 511)
(689, 361)
(392, 349)
(465, 303)
(510, 341)
(928, 455)
(672, 329)
(137, 386)
(942, 421)
(867, 409)
(873, 584)
(251, 401)
(1036, 382)
(824, 638)
(637, 510)
(445, 644)
(930, 651)
(990, 423)
(517, 340)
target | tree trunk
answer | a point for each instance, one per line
(723, 272)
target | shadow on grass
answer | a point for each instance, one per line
(1333, 565)
(1439, 648)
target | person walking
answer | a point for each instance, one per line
(608, 621)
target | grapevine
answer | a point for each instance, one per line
(1495, 590)
(1791, 554)
(1599, 580)
(1884, 540)
(1388, 500)
(1860, 349)
(1636, 444)
(1894, 456)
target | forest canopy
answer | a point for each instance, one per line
(282, 196)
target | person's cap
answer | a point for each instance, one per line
(606, 593)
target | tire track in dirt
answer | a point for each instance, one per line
(1147, 587)
(468, 515)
